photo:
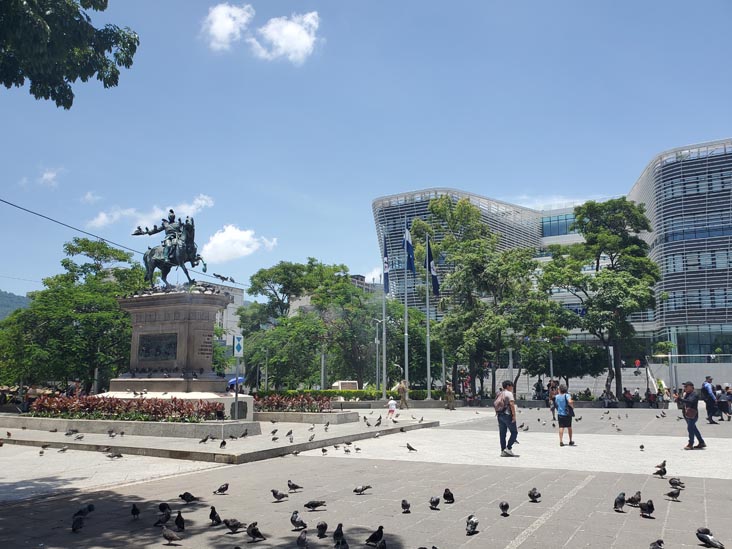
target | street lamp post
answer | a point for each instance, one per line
(376, 341)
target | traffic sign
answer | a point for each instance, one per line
(238, 346)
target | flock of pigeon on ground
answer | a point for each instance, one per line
(377, 538)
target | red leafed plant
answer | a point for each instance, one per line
(142, 409)
(292, 403)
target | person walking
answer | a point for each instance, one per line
(710, 399)
(450, 395)
(690, 401)
(505, 406)
(563, 403)
(402, 390)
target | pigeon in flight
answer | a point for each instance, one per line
(619, 503)
(254, 533)
(222, 489)
(503, 506)
(376, 536)
(279, 496)
(448, 496)
(361, 489)
(313, 504)
(534, 495)
(406, 506)
(707, 538)
(434, 503)
(297, 521)
(292, 487)
(646, 509)
(214, 517)
(322, 528)
(471, 525)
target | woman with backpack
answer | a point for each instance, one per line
(565, 412)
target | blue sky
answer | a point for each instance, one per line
(276, 123)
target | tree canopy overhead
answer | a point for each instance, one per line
(52, 44)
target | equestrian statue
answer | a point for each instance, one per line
(177, 248)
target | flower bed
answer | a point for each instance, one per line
(143, 409)
(291, 403)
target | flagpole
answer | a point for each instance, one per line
(428, 281)
(383, 341)
(406, 309)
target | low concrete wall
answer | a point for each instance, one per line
(135, 428)
(334, 418)
(381, 405)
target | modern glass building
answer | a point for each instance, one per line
(688, 197)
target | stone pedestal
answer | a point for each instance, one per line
(172, 343)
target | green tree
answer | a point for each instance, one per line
(52, 43)
(621, 278)
(75, 326)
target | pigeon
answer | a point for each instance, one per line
(661, 465)
(312, 427)
(361, 489)
(707, 538)
(41, 452)
(85, 510)
(661, 473)
(619, 503)
(279, 496)
(187, 497)
(534, 495)
(78, 523)
(164, 518)
(169, 535)
(114, 455)
(232, 437)
(273, 421)
(214, 517)
(346, 450)
(377, 435)
(79, 436)
(297, 521)
(434, 503)
(642, 447)
(135, 511)
(324, 450)
(204, 439)
(663, 414)
(311, 437)
(293, 487)
(525, 428)
(448, 496)
(646, 509)
(471, 525)
(164, 508)
(378, 422)
(223, 444)
(658, 544)
(254, 533)
(375, 537)
(327, 424)
(222, 489)
(275, 439)
(411, 448)
(503, 506)
(406, 506)
(675, 482)
(54, 430)
(274, 432)
(302, 539)
(322, 528)
(338, 535)
(674, 494)
(421, 419)
(9, 434)
(368, 424)
(180, 522)
(336, 447)
(67, 433)
(634, 500)
(313, 504)
(233, 525)
(289, 433)
(245, 433)
(522, 425)
(357, 449)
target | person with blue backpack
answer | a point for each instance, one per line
(565, 412)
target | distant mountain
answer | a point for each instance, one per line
(9, 302)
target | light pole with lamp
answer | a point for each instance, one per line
(376, 341)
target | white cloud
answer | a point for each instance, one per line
(290, 37)
(153, 216)
(225, 23)
(23, 182)
(90, 198)
(374, 275)
(231, 243)
(49, 177)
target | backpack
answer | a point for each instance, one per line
(499, 403)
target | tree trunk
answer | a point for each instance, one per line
(618, 366)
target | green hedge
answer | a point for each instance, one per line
(368, 394)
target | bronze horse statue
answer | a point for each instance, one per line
(182, 250)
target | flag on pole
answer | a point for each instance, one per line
(410, 250)
(430, 264)
(386, 268)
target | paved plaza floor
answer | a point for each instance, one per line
(38, 496)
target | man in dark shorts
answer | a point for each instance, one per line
(563, 404)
